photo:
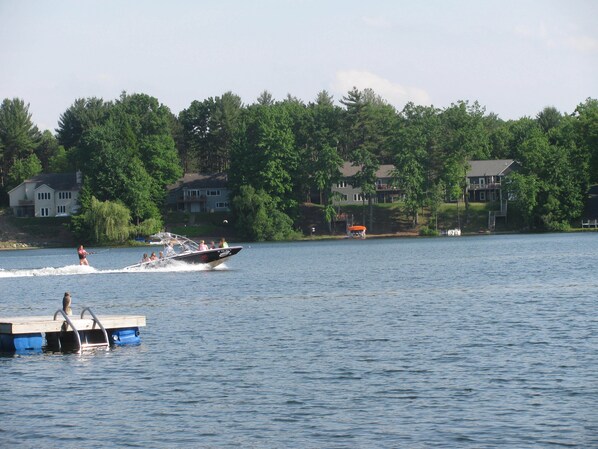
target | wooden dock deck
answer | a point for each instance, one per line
(44, 324)
(63, 332)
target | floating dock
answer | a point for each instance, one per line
(67, 333)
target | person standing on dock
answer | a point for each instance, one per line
(82, 256)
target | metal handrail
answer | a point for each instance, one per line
(70, 323)
(96, 319)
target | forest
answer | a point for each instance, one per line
(278, 154)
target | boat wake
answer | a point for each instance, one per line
(172, 266)
(73, 270)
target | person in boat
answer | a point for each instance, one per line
(212, 245)
(223, 243)
(169, 250)
(161, 255)
(203, 246)
(145, 258)
(82, 255)
(153, 256)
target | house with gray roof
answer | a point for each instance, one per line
(47, 195)
(485, 179)
(196, 192)
(346, 193)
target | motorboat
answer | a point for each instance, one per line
(178, 248)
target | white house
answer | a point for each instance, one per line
(47, 195)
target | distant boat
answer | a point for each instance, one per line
(356, 232)
(182, 249)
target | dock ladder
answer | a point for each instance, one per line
(82, 346)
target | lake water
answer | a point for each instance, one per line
(479, 342)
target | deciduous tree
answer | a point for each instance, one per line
(18, 135)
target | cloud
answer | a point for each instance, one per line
(395, 94)
(553, 38)
(583, 44)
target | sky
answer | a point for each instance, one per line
(513, 57)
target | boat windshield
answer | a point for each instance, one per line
(174, 243)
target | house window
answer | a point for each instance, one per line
(213, 193)
(357, 197)
(61, 209)
(345, 197)
(482, 181)
(44, 212)
(192, 193)
(222, 205)
(482, 196)
(43, 195)
(341, 184)
(64, 195)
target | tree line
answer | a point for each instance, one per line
(279, 154)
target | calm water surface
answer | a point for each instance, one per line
(478, 342)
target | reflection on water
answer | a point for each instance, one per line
(461, 342)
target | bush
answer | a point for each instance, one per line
(428, 232)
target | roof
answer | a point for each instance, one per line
(348, 170)
(199, 181)
(490, 168)
(56, 181)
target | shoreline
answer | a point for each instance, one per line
(14, 245)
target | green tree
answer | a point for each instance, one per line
(131, 155)
(523, 192)
(18, 135)
(369, 124)
(264, 155)
(258, 217)
(115, 172)
(226, 118)
(498, 136)
(322, 161)
(81, 116)
(109, 222)
(59, 161)
(465, 138)
(265, 99)
(209, 128)
(548, 118)
(316, 129)
(586, 129)
(417, 142)
(24, 169)
(301, 125)
(47, 149)
(554, 171)
(146, 123)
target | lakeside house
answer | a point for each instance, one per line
(347, 194)
(485, 179)
(485, 182)
(196, 192)
(47, 195)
